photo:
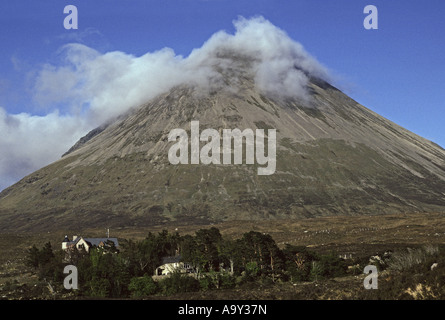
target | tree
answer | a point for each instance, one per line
(317, 270)
(146, 255)
(142, 286)
(99, 287)
(208, 243)
(47, 264)
(252, 270)
(46, 254)
(191, 254)
(333, 265)
(105, 275)
(167, 244)
(203, 250)
(33, 258)
(178, 283)
(262, 249)
(298, 262)
(229, 254)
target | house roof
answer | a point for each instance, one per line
(73, 242)
(97, 241)
(94, 241)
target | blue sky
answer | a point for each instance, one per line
(397, 71)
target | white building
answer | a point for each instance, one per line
(86, 243)
(172, 264)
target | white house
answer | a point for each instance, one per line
(86, 243)
(172, 264)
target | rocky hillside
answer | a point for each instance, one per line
(334, 157)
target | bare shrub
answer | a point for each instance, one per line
(431, 249)
(404, 260)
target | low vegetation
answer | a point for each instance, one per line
(250, 267)
(412, 273)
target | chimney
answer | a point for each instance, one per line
(64, 242)
(74, 238)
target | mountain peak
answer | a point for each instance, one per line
(333, 156)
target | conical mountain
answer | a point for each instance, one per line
(333, 157)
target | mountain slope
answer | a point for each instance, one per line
(334, 157)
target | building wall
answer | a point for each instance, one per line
(83, 243)
(170, 268)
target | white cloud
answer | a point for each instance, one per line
(90, 88)
(111, 83)
(30, 142)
